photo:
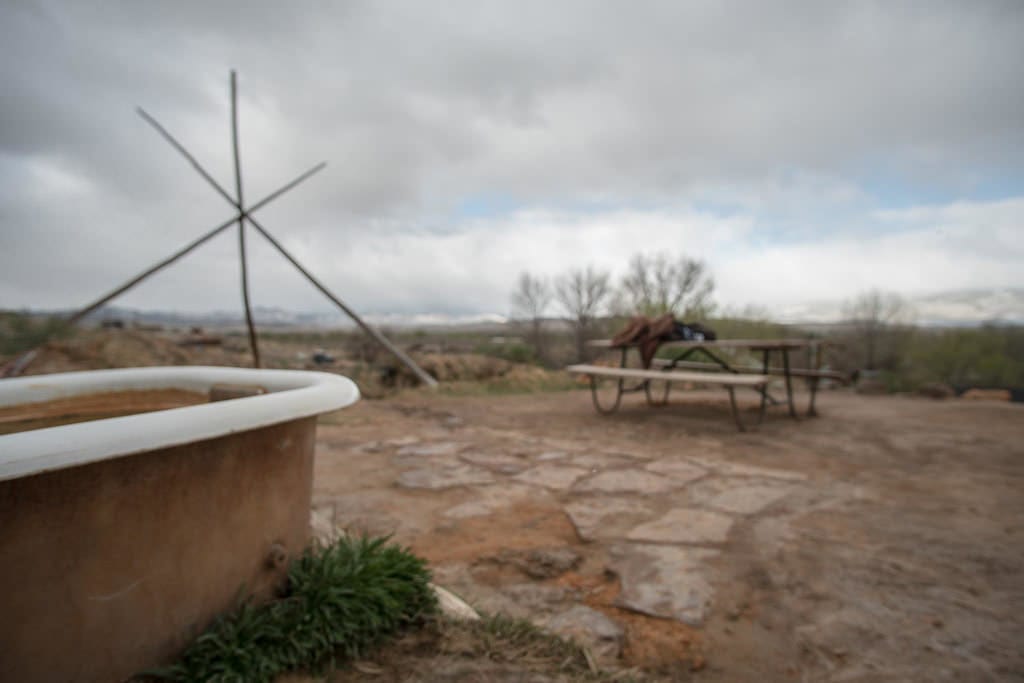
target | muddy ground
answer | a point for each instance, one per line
(882, 541)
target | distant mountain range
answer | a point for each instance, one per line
(963, 308)
(279, 317)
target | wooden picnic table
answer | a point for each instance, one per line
(683, 350)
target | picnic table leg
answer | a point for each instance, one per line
(721, 363)
(811, 410)
(789, 384)
(764, 389)
(668, 387)
(650, 394)
(736, 410)
(597, 403)
(619, 386)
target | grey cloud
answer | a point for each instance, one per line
(417, 106)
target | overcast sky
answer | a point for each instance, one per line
(805, 150)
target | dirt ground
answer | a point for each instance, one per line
(882, 541)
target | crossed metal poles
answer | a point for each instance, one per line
(243, 216)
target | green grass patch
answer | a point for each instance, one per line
(342, 600)
(544, 381)
(20, 332)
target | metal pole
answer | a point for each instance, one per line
(381, 339)
(13, 369)
(185, 153)
(240, 203)
(189, 247)
(146, 273)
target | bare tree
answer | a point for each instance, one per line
(530, 299)
(875, 318)
(656, 284)
(581, 293)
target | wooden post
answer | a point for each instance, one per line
(240, 203)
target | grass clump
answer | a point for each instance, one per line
(495, 648)
(500, 638)
(341, 600)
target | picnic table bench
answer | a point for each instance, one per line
(773, 370)
(717, 372)
(728, 381)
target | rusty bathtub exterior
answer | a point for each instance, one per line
(116, 551)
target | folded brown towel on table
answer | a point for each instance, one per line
(647, 333)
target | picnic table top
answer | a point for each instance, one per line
(752, 344)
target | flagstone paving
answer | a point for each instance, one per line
(684, 525)
(444, 477)
(662, 519)
(552, 476)
(665, 581)
(829, 550)
(627, 481)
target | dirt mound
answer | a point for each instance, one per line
(101, 349)
(462, 367)
(472, 373)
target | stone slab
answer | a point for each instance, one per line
(627, 481)
(498, 462)
(738, 470)
(372, 511)
(552, 455)
(536, 597)
(684, 525)
(421, 461)
(680, 470)
(435, 478)
(542, 563)
(600, 461)
(664, 581)
(489, 499)
(430, 449)
(590, 628)
(748, 500)
(600, 518)
(403, 441)
(558, 477)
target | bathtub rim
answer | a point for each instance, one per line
(291, 395)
